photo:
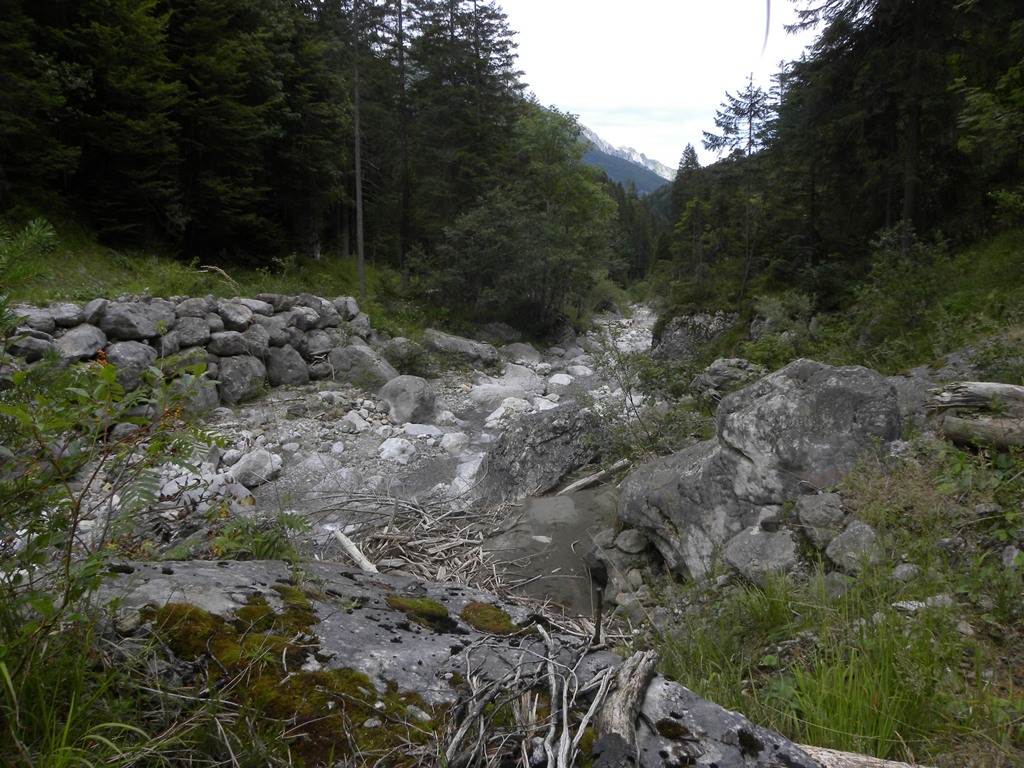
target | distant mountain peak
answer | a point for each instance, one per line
(630, 154)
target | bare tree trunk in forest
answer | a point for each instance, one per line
(406, 191)
(360, 255)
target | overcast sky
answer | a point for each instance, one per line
(648, 74)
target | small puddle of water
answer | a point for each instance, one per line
(542, 552)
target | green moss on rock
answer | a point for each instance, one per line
(424, 611)
(488, 618)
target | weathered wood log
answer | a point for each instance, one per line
(981, 413)
(831, 758)
(594, 479)
(618, 716)
(999, 433)
(1007, 399)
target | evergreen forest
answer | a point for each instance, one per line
(399, 134)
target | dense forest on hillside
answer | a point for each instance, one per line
(245, 131)
(904, 120)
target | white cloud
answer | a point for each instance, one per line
(649, 73)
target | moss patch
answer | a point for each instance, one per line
(319, 717)
(425, 612)
(489, 618)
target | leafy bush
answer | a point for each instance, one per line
(65, 477)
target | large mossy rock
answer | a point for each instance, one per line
(794, 432)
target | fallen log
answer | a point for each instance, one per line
(999, 433)
(832, 758)
(980, 413)
(594, 479)
(616, 722)
(984, 395)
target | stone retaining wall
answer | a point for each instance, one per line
(247, 344)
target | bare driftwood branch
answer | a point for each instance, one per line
(979, 395)
(831, 758)
(594, 479)
(353, 552)
(620, 711)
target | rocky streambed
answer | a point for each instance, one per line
(401, 538)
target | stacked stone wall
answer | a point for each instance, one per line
(247, 344)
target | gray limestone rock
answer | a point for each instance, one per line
(255, 468)
(522, 353)
(796, 431)
(364, 623)
(539, 450)
(31, 346)
(241, 378)
(66, 314)
(285, 367)
(755, 553)
(130, 358)
(474, 352)
(236, 316)
(854, 547)
(136, 320)
(683, 337)
(491, 394)
(227, 344)
(93, 311)
(36, 318)
(821, 516)
(81, 342)
(318, 342)
(361, 366)
(276, 327)
(196, 307)
(723, 376)
(257, 340)
(346, 307)
(411, 399)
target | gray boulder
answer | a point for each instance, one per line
(490, 395)
(411, 398)
(361, 366)
(130, 358)
(81, 342)
(137, 320)
(794, 432)
(227, 344)
(255, 468)
(366, 622)
(522, 353)
(285, 367)
(193, 331)
(276, 327)
(684, 337)
(31, 346)
(236, 316)
(242, 377)
(346, 307)
(539, 450)
(66, 314)
(854, 547)
(821, 516)
(755, 553)
(196, 307)
(36, 318)
(723, 376)
(473, 352)
(257, 340)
